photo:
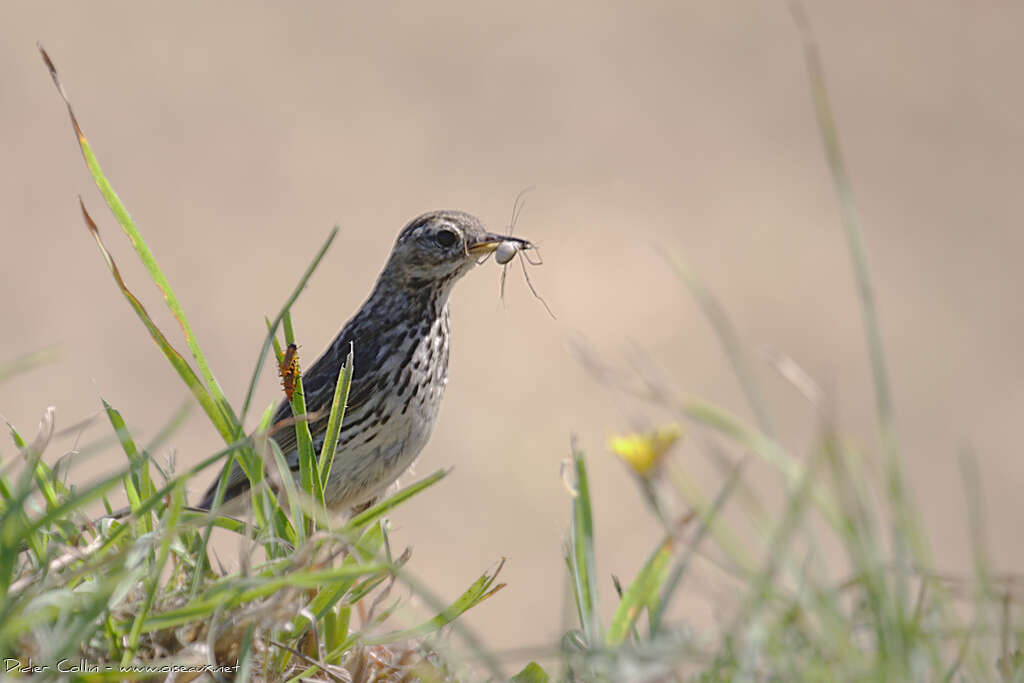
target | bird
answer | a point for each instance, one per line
(400, 339)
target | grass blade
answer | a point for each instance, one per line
(727, 337)
(641, 594)
(303, 438)
(261, 358)
(145, 255)
(237, 591)
(380, 509)
(674, 579)
(581, 552)
(905, 526)
(178, 362)
(334, 422)
(474, 595)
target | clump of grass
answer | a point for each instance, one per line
(136, 593)
(893, 616)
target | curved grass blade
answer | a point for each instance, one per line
(366, 548)
(236, 591)
(139, 484)
(82, 498)
(764, 447)
(459, 628)
(474, 595)
(147, 258)
(727, 337)
(641, 594)
(178, 362)
(157, 498)
(372, 514)
(33, 452)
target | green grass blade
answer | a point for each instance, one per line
(334, 422)
(727, 337)
(309, 482)
(154, 576)
(157, 498)
(531, 673)
(145, 255)
(34, 457)
(581, 555)
(380, 509)
(296, 531)
(178, 362)
(237, 591)
(261, 358)
(707, 521)
(906, 527)
(764, 447)
(474, 595)
(642, 594)
(243, 453)
(82, 498)
(367, 547)
(139, 485)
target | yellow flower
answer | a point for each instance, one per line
(643, 452)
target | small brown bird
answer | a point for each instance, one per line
(400, 369)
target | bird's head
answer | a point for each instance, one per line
(439, 247)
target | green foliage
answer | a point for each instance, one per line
(531, 673)
(887, 616)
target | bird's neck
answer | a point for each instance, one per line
(409, 299)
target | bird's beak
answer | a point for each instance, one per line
(488, 242)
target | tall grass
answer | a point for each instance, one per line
(893, 617)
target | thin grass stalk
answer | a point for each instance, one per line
(707, 519)
(727, 338)
(581, 552)
(142, 249)
(905, 528)
(285, 309)
(155, 573)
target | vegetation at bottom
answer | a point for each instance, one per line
(140, 594)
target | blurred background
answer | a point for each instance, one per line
(238, 138)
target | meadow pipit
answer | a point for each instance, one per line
(400, 366)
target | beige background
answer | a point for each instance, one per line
(238, 137)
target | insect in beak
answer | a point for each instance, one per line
(508, 247)
(490, 243)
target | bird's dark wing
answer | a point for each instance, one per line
(322, 378)
(373, 334)
(358, 395)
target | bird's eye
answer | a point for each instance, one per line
(446, 238)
